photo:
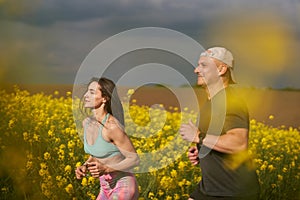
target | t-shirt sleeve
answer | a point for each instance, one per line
(237, 115)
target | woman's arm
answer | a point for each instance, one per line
(129, 159)
(124, 144)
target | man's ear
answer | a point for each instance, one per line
(222, 69)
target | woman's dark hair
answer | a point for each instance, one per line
(113, 103)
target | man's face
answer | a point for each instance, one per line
(206, 71)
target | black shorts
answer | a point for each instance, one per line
(199, 195)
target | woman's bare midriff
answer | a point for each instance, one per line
(111, 161)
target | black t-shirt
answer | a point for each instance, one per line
(225, 174)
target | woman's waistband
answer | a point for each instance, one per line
(115, 175)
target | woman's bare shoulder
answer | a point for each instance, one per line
(114, 125)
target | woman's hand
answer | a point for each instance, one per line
(81, 171)
(97, 168)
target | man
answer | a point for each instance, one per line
(222, 135)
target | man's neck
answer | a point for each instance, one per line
(212, 90)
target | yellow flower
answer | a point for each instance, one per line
(29, 165)
(43, 166)
(166, 182)
(91, 180)
(57, 140)
(292, 164)
(78, 164)
(169, 197)
(47, 156)
(25, 136)
(160, 192)
(173, 173)
(29, 156)
(167, 127)
(182, 183)
(271, 168)
(4, 189)
(181, 165)
(188, 183)
(279, 177)
(36, 137)
(263, 167)
(11, 123)
(43, 172)
(91, 195)
(61, 152)
(71, 144)
(61, 157)
(45, 190)
(284, 170)
(63, 180)
(58, 178)
(71, 155)
(277, 158)
(68, 169)
(150, 195)
(84, 182)
(176, 197)
(130, 92)
(69, 188)
(50, 133)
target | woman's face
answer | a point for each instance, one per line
(93, 96)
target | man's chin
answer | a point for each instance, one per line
(201, 84)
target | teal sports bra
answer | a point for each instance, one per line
(101, 148)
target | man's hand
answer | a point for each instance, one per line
(189, 132)
(193, 155)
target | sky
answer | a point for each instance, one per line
(46, 41)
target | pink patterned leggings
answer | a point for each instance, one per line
(118, 186)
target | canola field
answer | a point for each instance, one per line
(40, 147)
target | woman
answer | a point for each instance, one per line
(112, 155)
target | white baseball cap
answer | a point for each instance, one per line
(223, 55)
